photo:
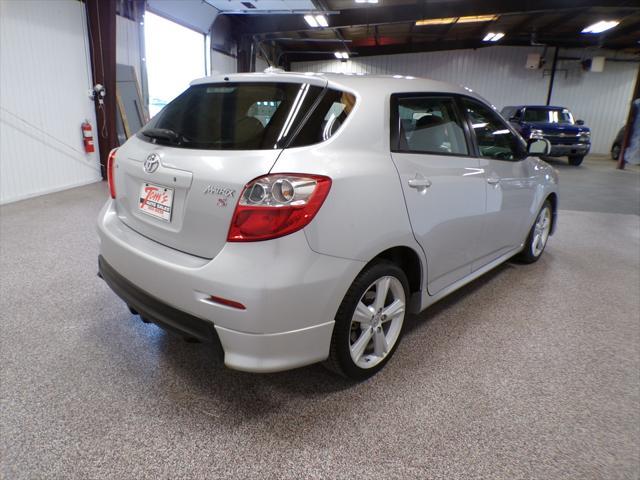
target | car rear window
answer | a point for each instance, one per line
(548, 115)
(249, 116)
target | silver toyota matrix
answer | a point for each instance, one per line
(298, 218)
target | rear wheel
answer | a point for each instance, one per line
(576, 160)
(538, 235)
(369, 322)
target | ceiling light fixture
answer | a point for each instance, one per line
(341, 55)
(322, 20)
(436, 21)
(311, 20)
(493, 37)
(366, 1)
(449, 20)
(477, 18)
(601, 26)
(315, 21)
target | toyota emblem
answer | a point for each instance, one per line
(151, 163)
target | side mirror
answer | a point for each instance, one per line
(539, 147)
(579, 122)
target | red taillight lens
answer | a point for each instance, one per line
(111, 160)
(276, 205)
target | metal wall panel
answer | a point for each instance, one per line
(499, 75)
(128, 44)
(600, 99)
(221, 63)
(46, 76)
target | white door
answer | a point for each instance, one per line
(442, 183)
(510, 184)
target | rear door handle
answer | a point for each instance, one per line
(493, 181)
(419, 183)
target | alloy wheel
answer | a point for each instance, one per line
(541, 232)
(377, 322)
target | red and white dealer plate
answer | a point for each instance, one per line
(156, 201)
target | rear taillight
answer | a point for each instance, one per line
(111, 160)
(277, 205)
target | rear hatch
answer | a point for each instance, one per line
(179, 179)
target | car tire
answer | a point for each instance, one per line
(540, 231)
(615, 152)
(364, 339)
(576, 160)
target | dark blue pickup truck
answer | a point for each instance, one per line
(568, 137)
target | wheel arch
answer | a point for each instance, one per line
(412, 265)
(553, 198)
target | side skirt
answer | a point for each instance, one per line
(428, 300)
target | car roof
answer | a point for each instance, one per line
(549, 107)
(365, 84)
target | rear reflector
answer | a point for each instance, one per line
(111, 160)
(228, 303)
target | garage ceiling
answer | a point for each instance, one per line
(262, 6)
(390, 26)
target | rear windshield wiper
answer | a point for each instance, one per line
(163, 134)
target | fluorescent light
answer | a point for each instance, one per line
(448, 20)
(322, 20)
(493, 37)
(601, 26)
(311, 20)
(341, 55)
(436, 21)
(477, 18)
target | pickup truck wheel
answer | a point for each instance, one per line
(538, 235)
(369, 322)
(576, 160)
(615, 152)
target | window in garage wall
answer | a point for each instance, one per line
(175, 55)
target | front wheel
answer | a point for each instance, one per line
(576, 160)
(369, 322)
(538, 235)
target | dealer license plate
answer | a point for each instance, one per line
(156, 200)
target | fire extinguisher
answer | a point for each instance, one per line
(87, 137)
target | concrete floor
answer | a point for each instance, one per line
(530, 372)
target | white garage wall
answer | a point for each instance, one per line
(261, 64)
(221, 63)
(600, 99)
(500, 76)
(128, 44)
(44, 87)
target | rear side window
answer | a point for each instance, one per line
(234, 116)
(430, 125)
(326, 119)
(548, 115)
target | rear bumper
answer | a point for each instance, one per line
(154, 309)
(242, 351)
(566, 150)
(291, 293)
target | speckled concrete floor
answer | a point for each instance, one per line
(531, 372)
